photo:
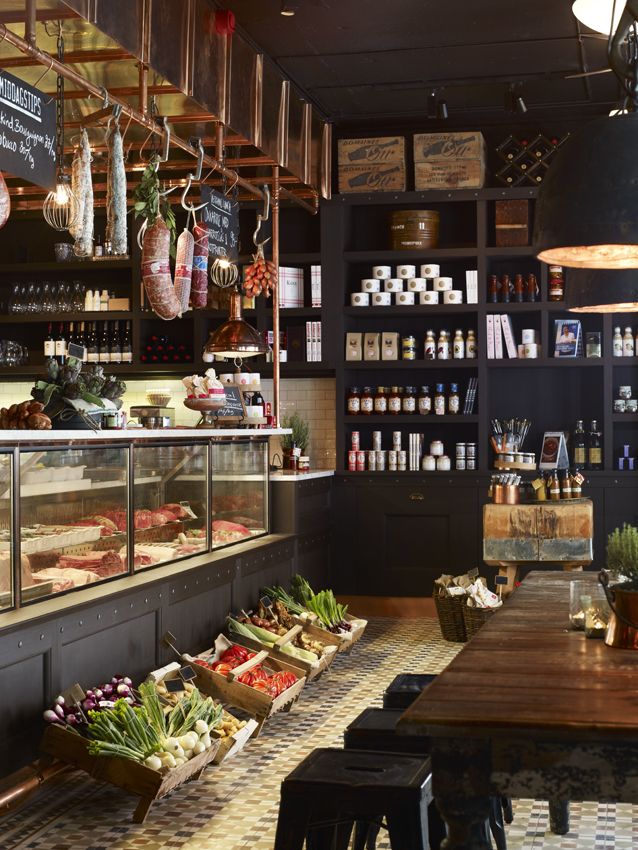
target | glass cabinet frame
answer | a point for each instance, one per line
(193, 528)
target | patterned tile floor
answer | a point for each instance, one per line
(234, 807)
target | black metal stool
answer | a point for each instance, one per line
(331, 789)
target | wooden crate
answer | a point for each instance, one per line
(345, 641)
(512, 223)
(131, 776)
(449, 174)
(228, 746)
(449, 146)
(373, 151)
(386, 177)
(226, 689)
(312, 669)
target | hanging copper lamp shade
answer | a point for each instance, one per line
(587, 207)
(602, 291)
(235, 338)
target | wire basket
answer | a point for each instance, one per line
(450, 613)
(474, 618)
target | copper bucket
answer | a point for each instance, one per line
(622, 629)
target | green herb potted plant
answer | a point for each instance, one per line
(294, 444)
(620, 581)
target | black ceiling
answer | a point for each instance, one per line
(369, 60)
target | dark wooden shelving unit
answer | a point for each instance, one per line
(412, 419)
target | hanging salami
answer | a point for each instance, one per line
(116, 192)
(82, 186)
(156, 270)
(184, 268)
(5, 202)
(199, 285)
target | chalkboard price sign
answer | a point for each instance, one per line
(221, 216)
(27, 132)
(234, 407)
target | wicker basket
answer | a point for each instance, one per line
(450, 613)
(474, 618)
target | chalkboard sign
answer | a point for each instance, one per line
(234, 407)
(221, 217)
(27, 132)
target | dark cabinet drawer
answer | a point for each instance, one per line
(301, 507)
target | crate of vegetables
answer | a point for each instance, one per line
(275, 630)
(252, 681)
(320, 613)
(232, 733)
(135, 745)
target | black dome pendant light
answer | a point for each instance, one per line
(602, 291)
(587, 206)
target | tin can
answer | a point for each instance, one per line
(376, 440)
(381, 460)
(408, 347)
(372, 460)
(470, 463)
(396, 440)
(470, 450)
(392, 461)
(460, 450)
(352, 461)
(402, 458)
(361, 461)
(460, 463)
(354, 441)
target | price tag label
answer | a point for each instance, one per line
(187, 673)
(174, 686)
(266, 601)
(73, 695)
(500, 580)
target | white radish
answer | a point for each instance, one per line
(201, 727)
(154, 762)
(188, 741)
(167, 759)
(199, 747)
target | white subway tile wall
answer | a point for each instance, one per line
(312, 398)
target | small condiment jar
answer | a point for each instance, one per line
(394, 401)
(428, 463)
(453, 402)
(303, 465)
(565, 486)
(380, 401)
(556, 284)
(408, 348)
(439, 400)
(443, 463)
(367, 402)
(353, 401)
(424, 401)
(408, 402)
(437, 448)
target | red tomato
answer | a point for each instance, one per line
(246, 678)
(266, 688)
(222, 668)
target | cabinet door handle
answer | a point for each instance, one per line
(416, 497)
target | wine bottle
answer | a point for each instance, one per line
(60, 345)
(92, 352)
(71, 335)
(595, 447)
(127, 347)
(49, 343)
(104, 353)
(116, 348)
(579, 445)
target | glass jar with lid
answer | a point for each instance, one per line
(408, 402)
(394, 401)
(424, 401)
(367, 401)
(353, 401)
(380, 401)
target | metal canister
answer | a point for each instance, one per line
(372, 460)
(470, 450)
(402, 459)
(381, 460)
(352, 461)
(376, 440)
(354, 441)
(408, 347)
(396, 440)
(361, 461)
(470, 463)
(460, 450)
(392, 461)
(460, 463)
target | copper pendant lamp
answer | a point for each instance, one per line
(602, 291)
(587, 206)
(235, 338)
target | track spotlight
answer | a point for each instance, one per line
(520, 105)
(288, 8)
(432, 104)
(441, 110)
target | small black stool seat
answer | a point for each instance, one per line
(405, 688)
(331, 789)
(376, 729)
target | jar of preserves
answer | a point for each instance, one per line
(556, 284)
(394, 401)
(380, 401)
(470, 345)
(408, 347)
(429, 347)
(458, 345)
(443, 346)
(453, 402)
(424, 401)
(367, 401)
(408, 402)
(439, 400)
(353, 401)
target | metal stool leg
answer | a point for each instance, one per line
(496, 823)
(559, 816)
(508, 811)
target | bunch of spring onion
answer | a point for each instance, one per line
(148, 735)
(331, 613)
(264, 636)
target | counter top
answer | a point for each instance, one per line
(297, 477)
(12, 437)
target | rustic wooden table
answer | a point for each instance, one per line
(529, 709)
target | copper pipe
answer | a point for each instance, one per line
(73, 76)
(80, 56)
(274, 206)
(29, 22)
(120, 91)
(313, 208)
(16, 16)
(219, 141)
(20, 785)
(142, 88)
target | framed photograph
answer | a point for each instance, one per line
(554, 451)
(568, 337)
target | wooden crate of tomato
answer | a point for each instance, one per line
(253, 681)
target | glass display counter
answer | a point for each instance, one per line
(78, 514)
